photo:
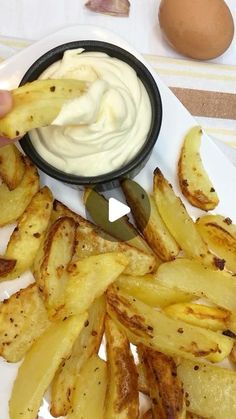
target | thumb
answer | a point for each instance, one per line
(6, 102)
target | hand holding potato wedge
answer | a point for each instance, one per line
(37, 104)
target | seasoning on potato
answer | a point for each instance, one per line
(201, 29)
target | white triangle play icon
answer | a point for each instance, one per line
(116, 210)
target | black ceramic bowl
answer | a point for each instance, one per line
(131, 169)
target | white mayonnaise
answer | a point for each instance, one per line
(103, 129)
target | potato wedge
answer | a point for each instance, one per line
(166, 389)
(149, 222)
(87, 344)
(88, 279)
(51, 262)
(36, 104)
(121, 229)
(193, 179)
(6, 266)
(153, 328)
(213, 318)
(90, 390)
(211, 389)
(151, 291)
(23, 318)
(90, 241)
(177, 220)
(219, 234)
(40, 364)
(12, 166)
(193, 277)
(14, 203)
(122, 401)
(28, 235)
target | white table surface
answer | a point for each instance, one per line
(33, 19)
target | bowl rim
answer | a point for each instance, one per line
(55, 54)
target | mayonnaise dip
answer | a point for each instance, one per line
(103, 129)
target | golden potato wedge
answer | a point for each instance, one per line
(36, 104)
(149, 221)
(6, 266)
(87, 344)
(88, 279)
(14, 203)
(210, 389)
(122, 400)
(155, 329)
(143, 259)
(121, 229)
(12, 166)
(23, 318)
(166, 389)
(193, 179)
(193, 277)
(40, 364)
(25, 240)
(179, 223)
(90, 390)
(90, 241)
(213, 318)
(190, 415)
(51, 262)
(151, 291)
(219, 234)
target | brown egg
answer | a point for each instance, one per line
(201, 29)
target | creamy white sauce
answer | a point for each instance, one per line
(103, 129)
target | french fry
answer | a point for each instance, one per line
(86, 345)
(12, 167)
(166, 390)
(213, 318)
(151, 291)
(149, 222)
(143, 386)
(90, 391)
(92, 240)
(219, 234)
(122, 392)
(51, 262)
(121, 229)
(36, 104)
(88, 279)
(179, 223)
(210, 389)
(23, 318)
(29, 233)
(193, 277)
(193, 179)
(153, 328)
(14, 203)
(40, 364)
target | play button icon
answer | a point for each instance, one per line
(111, 211)
(116, 210)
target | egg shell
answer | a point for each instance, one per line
(201, 29)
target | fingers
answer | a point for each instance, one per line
(6, 102)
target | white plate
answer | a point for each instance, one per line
(176, 122)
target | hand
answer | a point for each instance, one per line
(6, 104)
